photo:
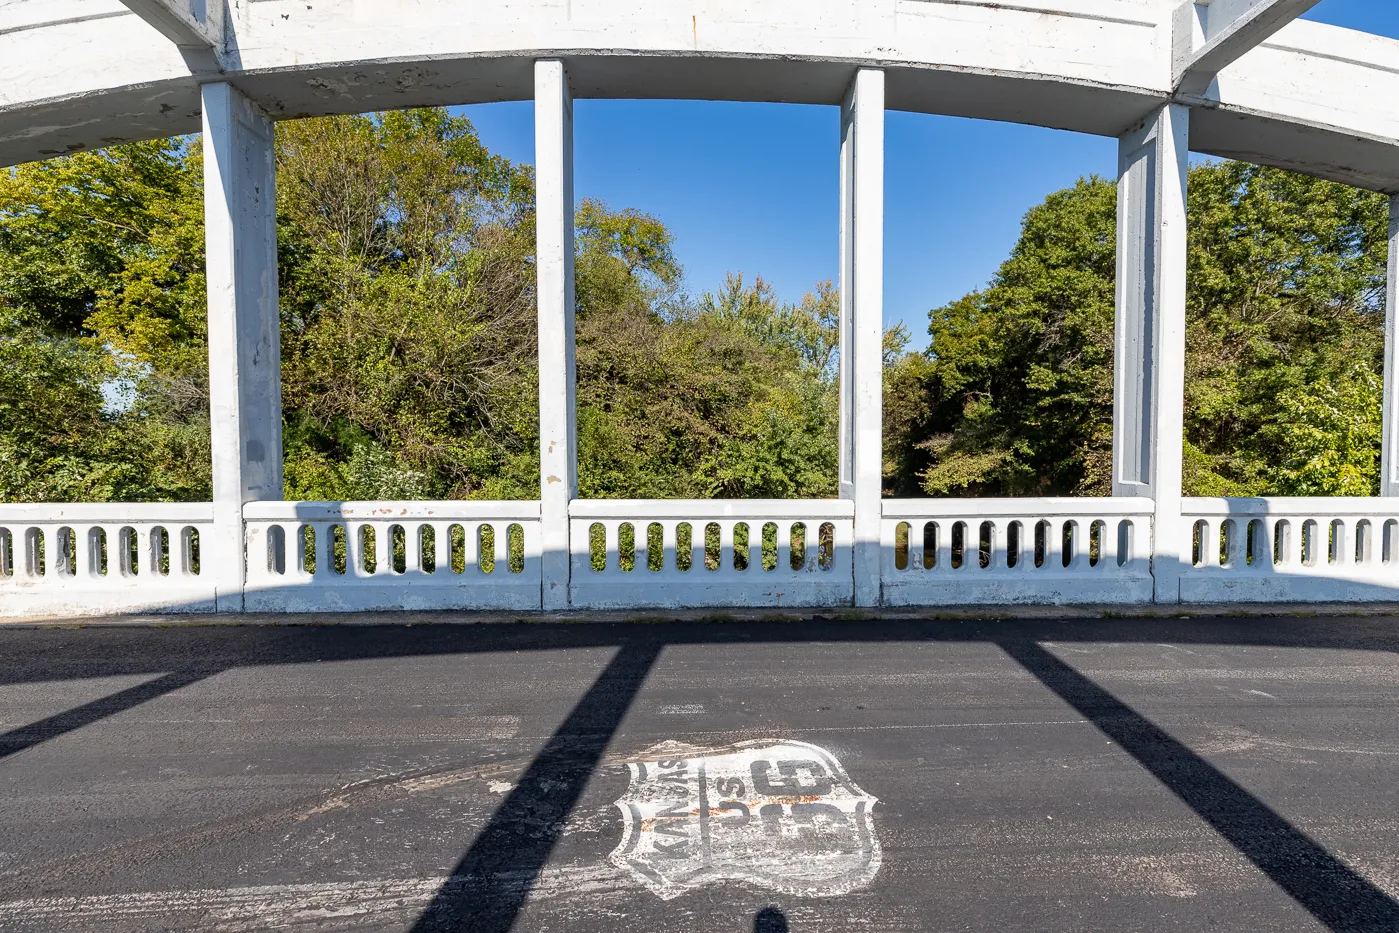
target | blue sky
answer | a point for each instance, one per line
(753, 188)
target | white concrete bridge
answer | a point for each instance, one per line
(1241, 79)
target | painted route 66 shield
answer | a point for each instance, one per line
(783, 815)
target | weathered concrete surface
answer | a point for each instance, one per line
(1063, 775)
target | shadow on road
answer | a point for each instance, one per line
(1330, 890)
(488, 887)
(770, 920)
(17, 740)
(490, 884)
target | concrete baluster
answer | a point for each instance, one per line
(413, 547)
(944, 546)
(1342, 545)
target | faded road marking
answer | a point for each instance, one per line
(780, 814)
(920, 725)
(280, 906)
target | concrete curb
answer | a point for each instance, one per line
(793, 615)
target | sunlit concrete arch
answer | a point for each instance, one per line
(1234, 78)
(86, 73)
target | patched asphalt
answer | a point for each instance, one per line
(1094, 775)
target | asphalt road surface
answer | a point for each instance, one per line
(1100, 775)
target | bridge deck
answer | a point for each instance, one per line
(1031, 775)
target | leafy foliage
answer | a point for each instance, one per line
(1331, 434)
(103, 379)
(408, 317)
(408, 333)
(697, 406)
(1284, 346)
(409, 345)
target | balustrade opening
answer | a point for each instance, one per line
(396, 549)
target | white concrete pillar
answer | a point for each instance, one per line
(558, 437)
(862, 321)
(1149, 384)
(1389, 450)
(245, 371)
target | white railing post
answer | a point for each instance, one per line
(558, 443)
(1149, 382)
(245, 375)
(862, 321)
(1389, 451)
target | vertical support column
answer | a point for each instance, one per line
(245, 366)
(1149, 381)
(1389, 450)
(558, 438)
(862, 321)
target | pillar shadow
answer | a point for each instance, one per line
(17, 740)
(488, 887)
(1333, 892)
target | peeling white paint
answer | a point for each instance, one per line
(254, 909)
(777, 814)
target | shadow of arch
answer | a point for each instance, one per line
(1338, 896)
(18, 739)
(488, 887)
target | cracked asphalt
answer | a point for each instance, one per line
(1067, 775)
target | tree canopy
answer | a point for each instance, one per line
(408, 332)
(1284, 333)
(103, 371)
(409, 348)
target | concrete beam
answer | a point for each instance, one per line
(1389, 446)
(1209, 35)
(862, 321)
(1149, 377)
(1313, 98)
(245, 367)
(196, 27)
(558, 434)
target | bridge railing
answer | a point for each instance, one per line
(710, 553)
(1004, 551)
(1291, 549)
(96, 558)
(348, 556)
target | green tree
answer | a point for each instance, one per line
(1286, 274)
(407, 311)
(1285, 295)
(408, 332)
(1016, 394)
(1331, 436)
(103, 373)
(711, 400)
(809, 329)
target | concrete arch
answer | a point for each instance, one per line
(78, 74)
